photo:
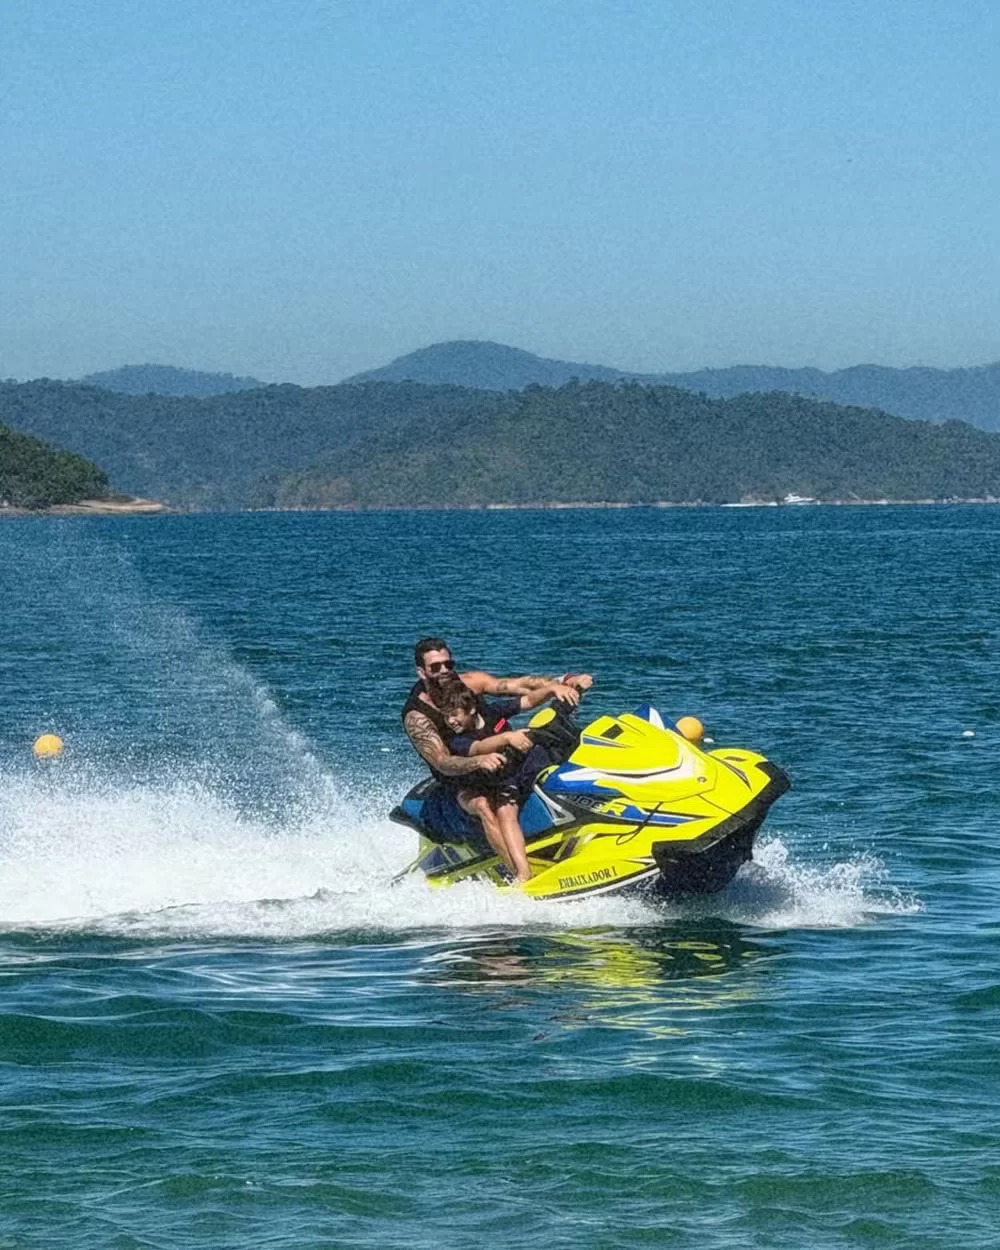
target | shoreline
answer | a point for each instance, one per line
(155, 507)
(116, 505)
(609, 505)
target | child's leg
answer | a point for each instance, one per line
(510, 827)
(479, 805)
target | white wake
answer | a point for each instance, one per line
(178, 859)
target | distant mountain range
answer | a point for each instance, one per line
(600, 442)
(168, 380)
(488, 366)
(397, 444)
(480, 424)
(971, 395)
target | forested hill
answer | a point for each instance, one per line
(395, 444)
(597, 442)
(971, 395)
(208, 452)
(168, 380)
(35, 475)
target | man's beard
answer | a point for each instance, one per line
(439, 682)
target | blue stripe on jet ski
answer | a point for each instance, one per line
(658, 818)
(602, 742)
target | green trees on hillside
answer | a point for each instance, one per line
(35, 475)
(207, 453)
(398, 444)
(595, 442)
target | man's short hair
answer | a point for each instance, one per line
(428, 644)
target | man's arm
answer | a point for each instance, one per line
(485, 683)
(428, 744)
(555, 690)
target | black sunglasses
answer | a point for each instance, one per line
(441, 666)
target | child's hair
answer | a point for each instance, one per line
(455, 696)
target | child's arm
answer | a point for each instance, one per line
(467, 746)
(516, 738)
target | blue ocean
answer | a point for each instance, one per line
(221, 1026)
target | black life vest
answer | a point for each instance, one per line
(414, 703)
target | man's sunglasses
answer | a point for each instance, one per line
(441, 666)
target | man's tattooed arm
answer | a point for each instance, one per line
(521, 685)
(427, 742)
(532, 682)
(485, 683)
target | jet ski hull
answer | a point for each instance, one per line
(635, 809)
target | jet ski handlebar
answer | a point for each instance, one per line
(559, 735)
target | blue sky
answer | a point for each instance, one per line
(300, 190)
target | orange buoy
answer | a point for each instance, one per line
(690, 727)
(47, 747)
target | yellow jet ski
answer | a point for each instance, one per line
(628, 805)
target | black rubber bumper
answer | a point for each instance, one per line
(707, 864)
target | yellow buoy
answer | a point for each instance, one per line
(690, 727)
(47, 747)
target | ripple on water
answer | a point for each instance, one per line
(221, 1026)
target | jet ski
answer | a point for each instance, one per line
(628, 805)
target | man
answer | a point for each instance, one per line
(430, 733)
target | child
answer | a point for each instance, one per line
(478, 725)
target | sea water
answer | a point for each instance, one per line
(221, 1026)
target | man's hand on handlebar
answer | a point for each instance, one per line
(560, 692)
(581, 681)
(491, 763)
